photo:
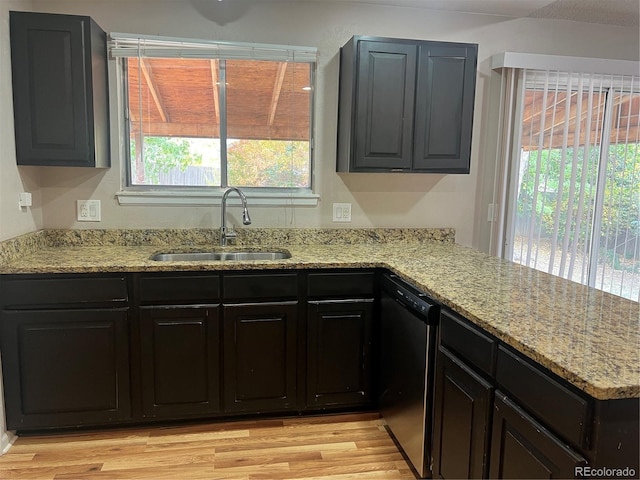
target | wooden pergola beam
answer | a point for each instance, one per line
(277, 89)
(153, 90)
(214, 84)
(621, 101)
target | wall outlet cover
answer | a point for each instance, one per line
(341, 212)
(88, 210)
(24, 200)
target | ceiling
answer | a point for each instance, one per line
(611, 12)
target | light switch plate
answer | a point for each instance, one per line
(341, 212)
(88, 210)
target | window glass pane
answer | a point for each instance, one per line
(174, 122)
(557, 181)
(618, 261)
(175, 110)
(577, 211)
(268, 105)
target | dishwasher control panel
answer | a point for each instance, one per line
(411, 298)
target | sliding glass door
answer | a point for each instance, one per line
(576, 186)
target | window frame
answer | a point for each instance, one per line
(131, 194)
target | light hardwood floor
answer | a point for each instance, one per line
(323, 447)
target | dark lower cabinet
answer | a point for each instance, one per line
(339, 352)
(523, 448)
(462, 425)
(180, 360)
(260, 357)
(85, 350)
(533, 425)
(65, 368)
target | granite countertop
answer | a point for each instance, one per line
(588, 337)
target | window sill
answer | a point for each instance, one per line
(168, 198)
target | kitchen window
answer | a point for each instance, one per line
(573, 201)
(201, 116)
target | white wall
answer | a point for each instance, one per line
(381, 200)
(13, 221)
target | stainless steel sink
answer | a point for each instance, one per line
(219, 256)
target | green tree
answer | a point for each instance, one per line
(543, 172)
(162, 154)
(268, 163)
(546, 174)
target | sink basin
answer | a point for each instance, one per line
(219, 256)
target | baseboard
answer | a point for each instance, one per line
(6, 440)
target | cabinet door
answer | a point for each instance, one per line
(54, 61)
(522, 448)
(384, 107)
(463, 403)
(444, 107)
(65, 367)
(339, 363)
(180, 358)
(260, 357)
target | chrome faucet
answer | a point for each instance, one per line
(246, 219)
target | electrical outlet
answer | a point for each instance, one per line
(24, 200)
(88, 210)
(341, 212)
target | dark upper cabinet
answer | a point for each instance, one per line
(60, 94)
(444, 107)
(405, 105)
(384, 105)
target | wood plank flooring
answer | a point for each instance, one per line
(324, 447)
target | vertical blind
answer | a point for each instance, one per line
(576, 185)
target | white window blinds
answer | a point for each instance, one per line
(133, 45)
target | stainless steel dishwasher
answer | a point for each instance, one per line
(409, 320)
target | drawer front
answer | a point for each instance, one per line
(341, 284)
(260, 287)
(179, 289)
(61, 290)
(563, 410)
(468, 342)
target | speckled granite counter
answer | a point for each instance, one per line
(586, 336)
